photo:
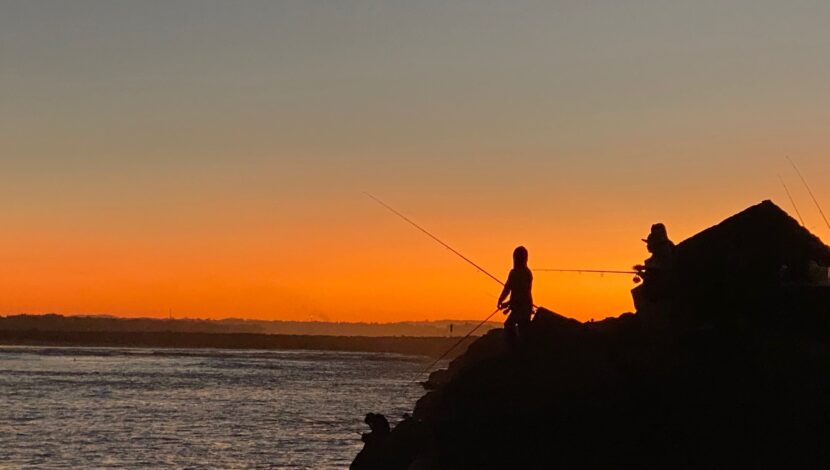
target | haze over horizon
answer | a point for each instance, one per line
(209, 158)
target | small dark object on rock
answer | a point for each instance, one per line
(379, 426)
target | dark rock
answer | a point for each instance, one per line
(732, 371)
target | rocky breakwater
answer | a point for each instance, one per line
(733, 370)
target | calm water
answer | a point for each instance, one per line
(143, 408)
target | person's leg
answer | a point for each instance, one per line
(510, 331)
(523, 324)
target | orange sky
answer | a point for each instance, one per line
(354, 263)
(210, 159)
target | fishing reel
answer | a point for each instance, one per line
(639, 271)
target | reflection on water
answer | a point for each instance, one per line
(142, 408)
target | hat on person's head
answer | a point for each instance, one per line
(658, 232)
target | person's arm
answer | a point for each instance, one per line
(506, 291)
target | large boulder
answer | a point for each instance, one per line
(739, 264)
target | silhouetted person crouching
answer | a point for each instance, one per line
(520, 306)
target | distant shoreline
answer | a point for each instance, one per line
(55, 322)
(409, 345)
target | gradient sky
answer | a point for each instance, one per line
(208, 157)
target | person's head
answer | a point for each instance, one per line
(658, 230)
(657, 235)
(520, 257)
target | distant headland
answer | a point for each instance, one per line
(416, 338)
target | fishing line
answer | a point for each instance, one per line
(792, 201)
(815, 201)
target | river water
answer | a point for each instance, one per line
(153, 409)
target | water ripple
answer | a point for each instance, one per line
(66, 408)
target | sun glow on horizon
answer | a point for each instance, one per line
(210, 158)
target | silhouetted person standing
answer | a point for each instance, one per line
(520, 306)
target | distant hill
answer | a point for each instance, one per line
(61, 323)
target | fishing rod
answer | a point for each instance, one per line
(815, 201)
(427, 368)
(597, 271)
(792, 201)
(456, 252)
